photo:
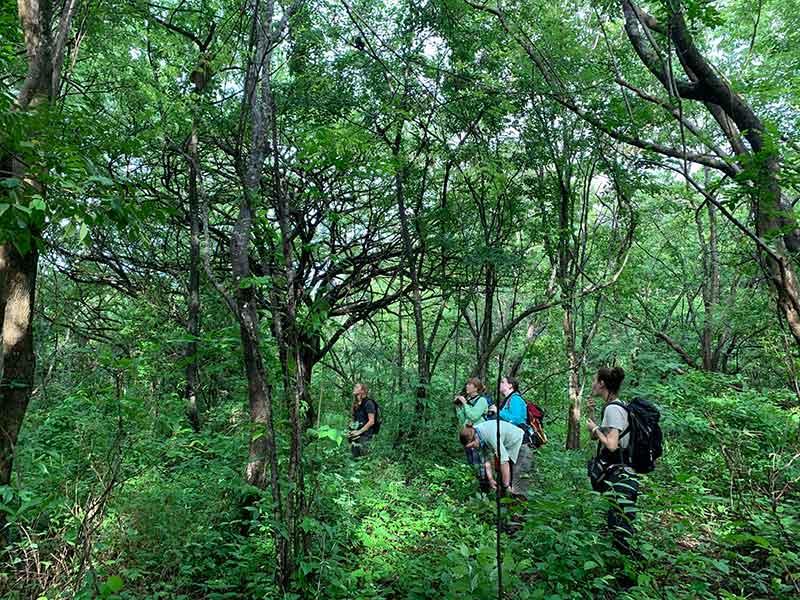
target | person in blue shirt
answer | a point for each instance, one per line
(514, 409)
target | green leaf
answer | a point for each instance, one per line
(84, 231)
(255, 281)
(102, 180)
(115, 583)
(723, 566)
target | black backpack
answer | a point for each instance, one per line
(645, 445)
(376, 427)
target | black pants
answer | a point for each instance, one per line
(622, 490)
(360, 445)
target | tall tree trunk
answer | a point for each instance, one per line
(262, 463)
(262, 445)
(18, 273)
(201, 77)
(298, 397)
(413, 264)
(262, 453)
(18, 268)
(710, 288)
(193, 323)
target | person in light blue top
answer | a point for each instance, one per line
(513, 408)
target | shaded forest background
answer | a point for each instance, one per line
(216, 216)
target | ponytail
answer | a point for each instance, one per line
(611, 377)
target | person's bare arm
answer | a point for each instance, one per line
(505, 472)
(609, 438)
(370, 422)
(489, 476)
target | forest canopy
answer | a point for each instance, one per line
(251, 251)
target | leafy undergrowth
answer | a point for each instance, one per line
(717, 519)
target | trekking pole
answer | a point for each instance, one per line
(498, 523)
(458, 342)
(455, 362)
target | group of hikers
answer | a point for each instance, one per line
(499, 440)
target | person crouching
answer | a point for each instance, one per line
(510, 450)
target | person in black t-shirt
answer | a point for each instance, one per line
(364, 413)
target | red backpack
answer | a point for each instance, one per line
(535, 416)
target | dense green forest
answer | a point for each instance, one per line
(218, 216)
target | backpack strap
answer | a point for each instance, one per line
(473, 401)
(626, 431)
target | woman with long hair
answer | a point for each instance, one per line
(364, 413)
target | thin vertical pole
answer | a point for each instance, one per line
(498, 492)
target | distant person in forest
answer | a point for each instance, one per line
(364, 413)
(612, 473)
(472, 409)
(512, 407)
(509, 449)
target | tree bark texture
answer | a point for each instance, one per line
(193, 321)
(18, 268)
(573, 381)
(18, 272)
(262, 466)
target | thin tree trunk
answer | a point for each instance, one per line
(262, 466)
(423, 355)
(487, 322)
(200, 76)
(401, 366)
(710, 288)
(193, 324)
(573, 385)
